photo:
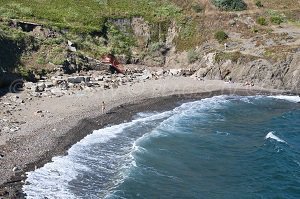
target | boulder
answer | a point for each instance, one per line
(71, 46)
(175, 72)
(79, 79)
(40, 87)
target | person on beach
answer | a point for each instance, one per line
(103, 107)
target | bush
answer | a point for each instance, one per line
(192, 56)
(233, 56)
(261, 21)
(156, 46)
(276, 19)
(221, 36)
(259, 4)
(197, 8)
(236, 5)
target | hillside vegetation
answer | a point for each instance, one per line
(97, 27)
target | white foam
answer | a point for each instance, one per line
(52, 180)
(288, 98)
(270, 135)
(222, 133)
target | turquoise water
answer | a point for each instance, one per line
(220, 147)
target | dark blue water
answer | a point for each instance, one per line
(220, 147)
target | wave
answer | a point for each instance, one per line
(270, 135)
(55, 177)
(287, 98)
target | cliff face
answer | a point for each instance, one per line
(262, 45)
(283, 74)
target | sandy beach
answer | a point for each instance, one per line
(49, 126)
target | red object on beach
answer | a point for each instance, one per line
(111, 59)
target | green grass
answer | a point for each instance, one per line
(221, 36)
(223, 56)
(85, 15)
(276, 17)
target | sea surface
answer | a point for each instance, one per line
(220, 147)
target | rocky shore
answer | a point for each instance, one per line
(46, 118)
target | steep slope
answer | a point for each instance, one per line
(169, 33)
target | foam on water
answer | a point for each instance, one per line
(55, 178)
(52, 180)
(271, 135)
(288, 98)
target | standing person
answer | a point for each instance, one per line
(103, 107)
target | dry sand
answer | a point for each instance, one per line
(68, 119)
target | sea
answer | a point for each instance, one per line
(220, 147)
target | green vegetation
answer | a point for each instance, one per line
(261, 21)
(259, 4)
(275, 17)
(276, 20)
(221, 36)
(156, 46)
(192, 56)
(233, 56)
(119, 42)
(236, 5)
(197, 7)
(85, 15)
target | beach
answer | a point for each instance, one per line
(50, 126)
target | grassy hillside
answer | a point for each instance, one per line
(89, 24)
(84, 15)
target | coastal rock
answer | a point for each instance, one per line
(57, 92)
(71, 46)
(79, 79)
(175, 72)
(40, 87)
(49, 84)
(17, 99)
(100, 78)
(146, 75)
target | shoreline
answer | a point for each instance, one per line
(116, 114)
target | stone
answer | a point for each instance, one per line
(17, 99)
(14, 129)
(30, 86)
(175, 72)
(6, 129)
(106, 86)
(16, 168)
(146, 75)
(57, 92)
(49, 84)
(100, 78)
(79, 79)
(40, 87)
(159, 72)
(71, 46)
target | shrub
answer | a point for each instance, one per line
(156, 46)
(221, 36)
(197, 8)
(276, 19)
(236, 5)
(261, 21)
(233, 56)
(192, 56)
(259, 4)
